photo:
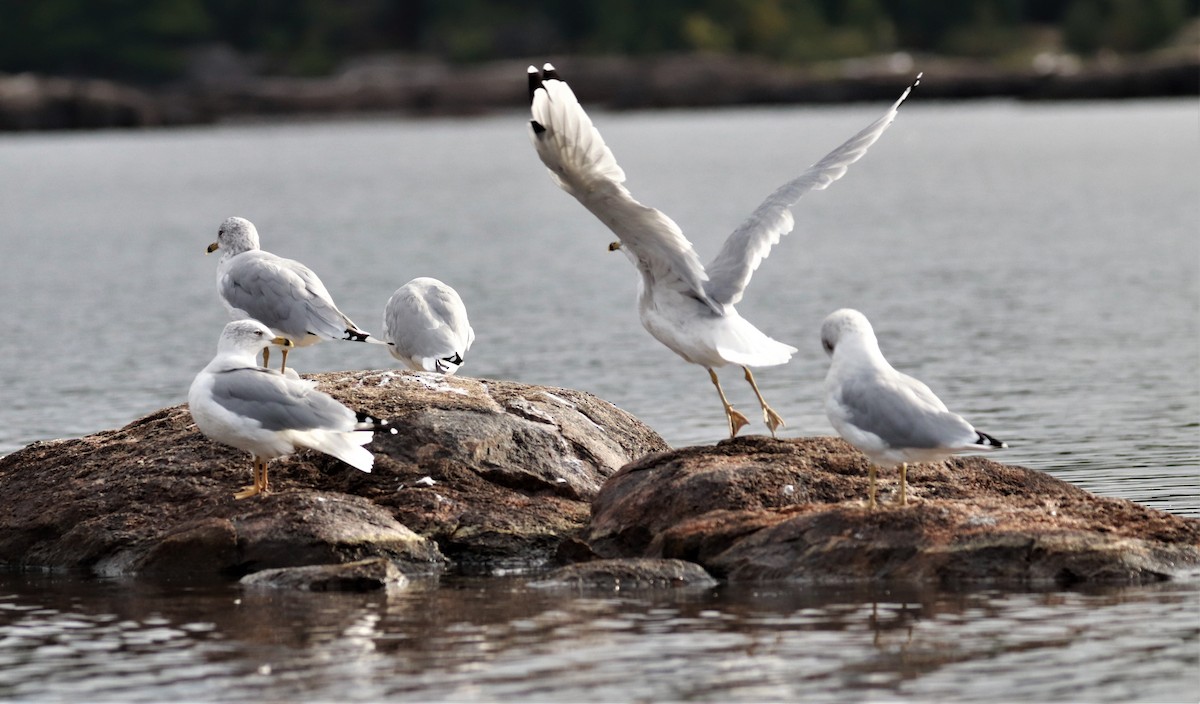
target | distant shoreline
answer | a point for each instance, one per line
(421, 87)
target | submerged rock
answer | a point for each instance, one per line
(758, 509)
(362, 576)
(629, 573)
(477, 472)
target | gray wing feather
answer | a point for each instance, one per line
(278, 402)
(449, 308)
(654, 238)
(751, 242)
(283, 294)
(903, 412)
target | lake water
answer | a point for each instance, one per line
(1037, 265)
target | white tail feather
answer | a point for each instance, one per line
(739, 342)
(346, 446)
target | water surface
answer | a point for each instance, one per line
(1037, 265)
(493, 639)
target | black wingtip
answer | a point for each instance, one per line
(907, 91)
(537, 127)
(985, 439)
(375, 423)
(445, 364)
(549, 73)
(535, 82)
(356, 335)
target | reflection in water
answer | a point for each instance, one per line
(495, 638)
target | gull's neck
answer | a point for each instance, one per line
(862, 350)
(237, 249)
(228, 359)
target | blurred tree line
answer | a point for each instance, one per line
(150, 40)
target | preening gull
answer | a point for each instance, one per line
(425, 325)
(891, 417)
(282, 294)
(270, 414)
(685, 306)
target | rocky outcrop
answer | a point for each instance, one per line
(32, 102)
(483, 474)
(426, 86)
(477, 472)
(757, 509)
(628, 573)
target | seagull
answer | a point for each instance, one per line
(283, 294)
(684, 305)
(268, 413)
(425, 325)
(890, 417)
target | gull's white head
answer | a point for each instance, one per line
(248, 337)
(236, 235)
(843, 324)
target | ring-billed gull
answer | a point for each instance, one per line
(891, 417)
(685, 306)
(425, 325)
(270, 414)
(282, 294)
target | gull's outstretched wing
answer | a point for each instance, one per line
(751, 242)
(582, 165)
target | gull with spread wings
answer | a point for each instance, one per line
(684, 305)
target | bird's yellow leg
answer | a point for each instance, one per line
(770, 417)
(283, 366)
(265, 488)
(254, 488)
(903, 483)
(266, 356)
(871, 503)
(737, 421)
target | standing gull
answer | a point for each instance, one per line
(282, 294)
(685, 306)
(425, 325)
(269, 414)
(891, 417)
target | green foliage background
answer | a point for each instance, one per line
(150, 40)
